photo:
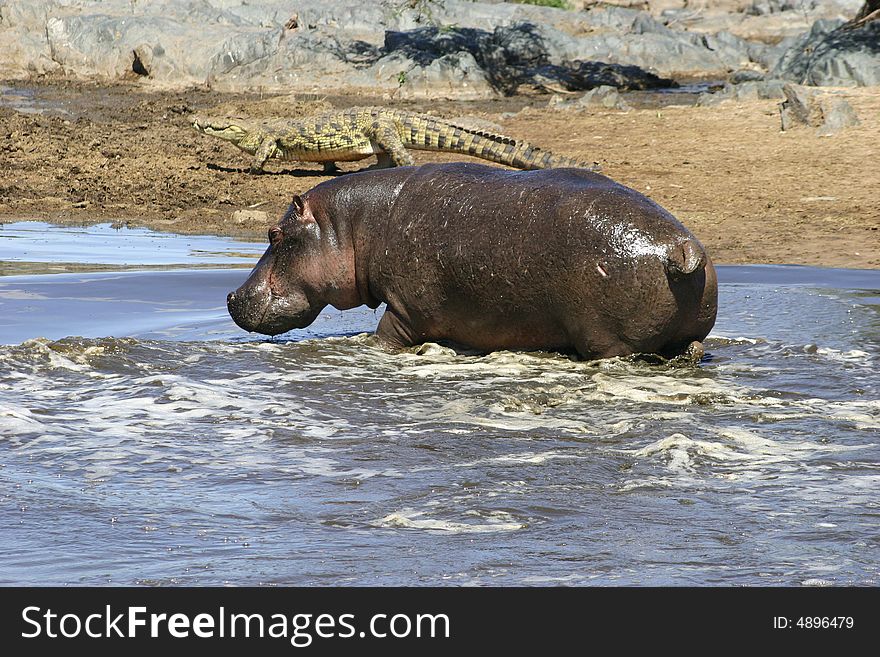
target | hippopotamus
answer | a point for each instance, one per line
(486, 259)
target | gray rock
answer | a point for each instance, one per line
(749, 90)
(766, 7)
(728, 92)
(587, 75)
(798, 107)
(106, 46)
(25, 51)
(646, 24)
(769, 56)
(838, 114)
(832, 54)
(603, 96)
(745, 75)
(457, 74)
(514, 56)
(771, 88)
(804, 107)
(472, 48)
(791, 65)
(618, 19)
(732, 51)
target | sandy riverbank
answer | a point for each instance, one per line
(751, 193)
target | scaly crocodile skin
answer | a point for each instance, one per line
(359, 132)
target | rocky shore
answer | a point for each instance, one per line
(432, 48)
(680, 100)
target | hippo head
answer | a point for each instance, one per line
(294, 280)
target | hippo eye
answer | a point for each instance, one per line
(275, 235)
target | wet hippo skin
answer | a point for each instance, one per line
(488, 259)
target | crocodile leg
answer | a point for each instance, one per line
(267, 149)
(330, 168)
(383, 161)
(386, 137)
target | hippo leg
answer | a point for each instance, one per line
(692, 352)
(592, 346)
(394, 332)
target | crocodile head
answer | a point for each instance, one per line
(246, 137)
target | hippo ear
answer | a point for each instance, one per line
(299, 211)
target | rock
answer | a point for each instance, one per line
(798, 107)
(728, 48)
(834, 54)
(745, 75)
(771, 88)
(750, 90)
(803, 107)
(838, 114)
(510, 57)
(587, 75)
(457, 74)
(768, 56)
(579, 76)
(25, 51)
(603, 96)
(816, 33)
(766, 7)
(251, 218)
(747, 91)
(466, 49)
(503, 56)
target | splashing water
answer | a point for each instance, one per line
(185, 451)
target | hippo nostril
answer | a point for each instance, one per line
(230, 297)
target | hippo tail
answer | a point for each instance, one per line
(685, 258)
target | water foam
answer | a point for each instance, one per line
(485, 522)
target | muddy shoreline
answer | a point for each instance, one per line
(84, 153)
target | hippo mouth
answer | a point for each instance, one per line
(271, 326)
(246, 312)
(271, 315)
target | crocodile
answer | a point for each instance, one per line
(359, 132)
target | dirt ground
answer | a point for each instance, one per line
(751, 193)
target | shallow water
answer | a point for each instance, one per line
(183, 450)
(27, 101)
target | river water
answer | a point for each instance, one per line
(182, 450)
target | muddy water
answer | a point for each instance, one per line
(182, 450)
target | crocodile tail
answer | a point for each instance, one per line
(423, 131)
(531, 157)
(520, 154)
